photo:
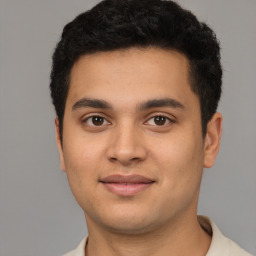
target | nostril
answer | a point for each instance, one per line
(125, 161)
(113, 159)
(135, 159)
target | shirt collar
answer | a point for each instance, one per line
(220, 245)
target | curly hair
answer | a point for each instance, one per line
(120, 24)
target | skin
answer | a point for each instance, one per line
(157, 220)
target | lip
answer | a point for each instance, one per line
(126, 185)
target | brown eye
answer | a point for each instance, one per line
(96, 121)
(160, 120)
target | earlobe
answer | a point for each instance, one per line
(212, 140)
(59, 144)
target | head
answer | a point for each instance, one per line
(115, 24)
(136, 85)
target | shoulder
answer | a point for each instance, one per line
(220, 245)
(71, 253)
(79, 251)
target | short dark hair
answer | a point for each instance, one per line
(120, 24)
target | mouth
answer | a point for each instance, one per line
(126, 185)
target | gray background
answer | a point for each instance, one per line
(38, 215)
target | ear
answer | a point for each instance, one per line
(59, 144)
(212, 140)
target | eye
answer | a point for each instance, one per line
(96, 121)
(159, 120)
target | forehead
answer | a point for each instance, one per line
(134, 73)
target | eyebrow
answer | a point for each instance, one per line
(154, 103)
(91, 103)
(157, 103)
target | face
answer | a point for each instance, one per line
(132, 146)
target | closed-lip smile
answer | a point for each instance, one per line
(126, 185)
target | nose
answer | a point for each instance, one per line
(126, 146)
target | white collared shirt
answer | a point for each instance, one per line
(220, 245)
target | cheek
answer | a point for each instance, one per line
(80, 150)
(83, 163)
(180, 158)
(81, 170)
(180, 166)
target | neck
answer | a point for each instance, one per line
(182, 238)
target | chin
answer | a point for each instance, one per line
(128, 224)
(130, 228)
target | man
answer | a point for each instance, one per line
(136, 86)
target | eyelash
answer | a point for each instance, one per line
(94, 116)
(166, 119)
